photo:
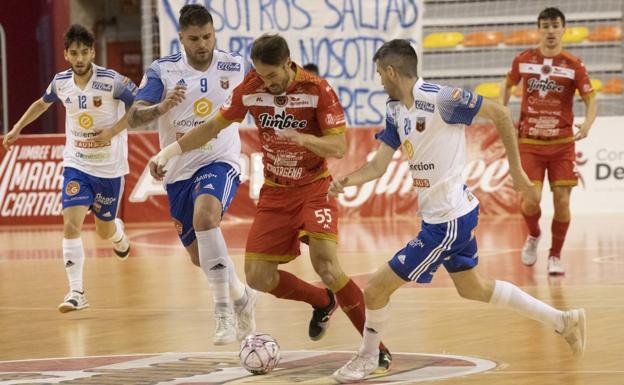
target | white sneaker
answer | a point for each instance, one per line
(122, 247)
(245, 315)
(74, 300)
(357, 368)
(225, 332)
(554, 266)
(529, 250)
(574, 330)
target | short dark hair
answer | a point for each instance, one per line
(271, 49)
(551, 13)
(78, 34)
(311, 67)
(400, 54)
(194, 14)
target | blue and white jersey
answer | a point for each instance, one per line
(99, 105)
(431, 133)
(205, 92)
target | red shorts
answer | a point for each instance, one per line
(286, 215)
(558, 159)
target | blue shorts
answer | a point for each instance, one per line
(451, 244)
(217, 179)
(101, 195)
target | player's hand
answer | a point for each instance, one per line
(337, 186)
(157, 167)
(291, 135)
(583, 131)
(173, 98)
(103, 137)
(10, 138)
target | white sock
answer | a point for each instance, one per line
(376, 321)
(214, 261)
(118, 233)
(508, 295)
(73, 257)
(237, 288)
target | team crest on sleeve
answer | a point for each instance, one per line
(72, 188)
(97, 101)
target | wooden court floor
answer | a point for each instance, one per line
(156, 301)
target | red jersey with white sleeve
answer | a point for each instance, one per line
(309, 106)
(547, 99)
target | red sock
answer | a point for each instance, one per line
(559, 230)
(351, 301)
(291, 287)
(532, 222)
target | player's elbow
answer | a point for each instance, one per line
(339, 153)
(132, 118)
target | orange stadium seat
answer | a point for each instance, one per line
(443, 39)
(486, 38)
(522, 37)
(575, 35)
(606, 33)
(488, 90)
(612, 86)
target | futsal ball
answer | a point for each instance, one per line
(259, 353)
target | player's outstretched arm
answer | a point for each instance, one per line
(33, 112)
(501, 117)
(105, 136)
(372, 170)
(193, 139)
(591, 110)
(143, 112)
(505, 91)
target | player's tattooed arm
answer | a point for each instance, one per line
(143, 112)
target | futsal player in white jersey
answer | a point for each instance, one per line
(183, 91)
(427, 121)
(93, 175)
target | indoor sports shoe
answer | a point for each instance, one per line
(225, 332)
(574, 330)
(320, 318)
(245, 314)
(554, 266)
(385, 360)
(529, 250)
(121, 247)
(74, 300)
(357, 368)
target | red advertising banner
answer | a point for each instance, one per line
(31, 179)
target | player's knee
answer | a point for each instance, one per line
(258, 279)
(206, 221)
(71, 230)
(328, 273)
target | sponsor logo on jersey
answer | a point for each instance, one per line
(97, 101)
(546, 69)
(67, 100)
(202, 107)
(181, 82)
(543, 85)
(420, 124)
(408, 148)
(281, 121)
(422, 166)
(85, 121)
(228, 66)
(422, 183)
(425, 106)
(225, 83)
(102, 86)
(72, 188)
